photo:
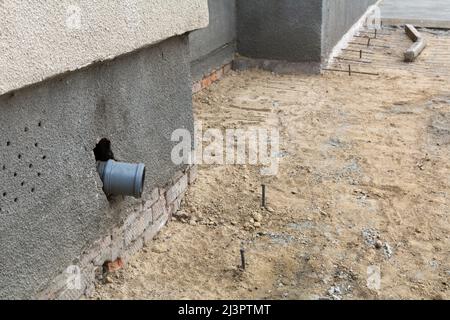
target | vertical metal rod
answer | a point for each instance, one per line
(368, 42)
(375, 33)
(243, 258)
(360, 54)
(263, 201)
(350, 70)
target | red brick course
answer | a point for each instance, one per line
(112, 252)
(209, 79)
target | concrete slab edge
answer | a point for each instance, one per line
(277, 66)
(419, 23)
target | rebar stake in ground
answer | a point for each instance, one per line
(243, 259)
(263, 196)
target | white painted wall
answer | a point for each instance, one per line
(41, 39)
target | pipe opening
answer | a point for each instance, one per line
(119, 178)
(103, 151)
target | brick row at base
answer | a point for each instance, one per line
(211, 78)
(115, 250)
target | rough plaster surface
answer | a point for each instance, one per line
(214, 46)
(288, 30)
(41, 39)
(295, 31)
(220, 31)
(136, 101)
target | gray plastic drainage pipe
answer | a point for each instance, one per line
(120, 178)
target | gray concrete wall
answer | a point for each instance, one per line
(214, 46)
(294, 31)
(287, 30)
(338, 17)
(51, 198)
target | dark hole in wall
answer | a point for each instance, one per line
(103, 151)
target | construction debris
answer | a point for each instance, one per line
(419, 45)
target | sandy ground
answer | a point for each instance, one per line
(363, 184)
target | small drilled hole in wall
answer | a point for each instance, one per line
(103, 151)
(21, 163)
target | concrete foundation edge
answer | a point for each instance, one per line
(431, 24)
(125, 241)
(207, 65)
(277, 66)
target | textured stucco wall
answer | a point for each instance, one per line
(40, 39)
(215, 45)
(51, 198)
(338, 17)
(287, 30)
